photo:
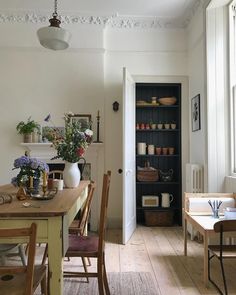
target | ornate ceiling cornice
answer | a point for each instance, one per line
(111, 21)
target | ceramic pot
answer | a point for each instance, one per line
(158, 150)
(27, 137)
(142, 148)
(71, 175)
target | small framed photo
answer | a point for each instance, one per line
(84, 119)
(48, 133)
(195, 112)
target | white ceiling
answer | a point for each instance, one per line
(160, 8)
(177, 12)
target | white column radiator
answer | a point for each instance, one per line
(194, 184)
(194, 178)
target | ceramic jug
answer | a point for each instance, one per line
(166, 199)
(142, 148)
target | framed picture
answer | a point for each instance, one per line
(195, 112)
(84, 119)
(48, 132)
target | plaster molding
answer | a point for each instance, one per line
(191, 12)
(109, 21)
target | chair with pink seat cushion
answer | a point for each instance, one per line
(93, 246)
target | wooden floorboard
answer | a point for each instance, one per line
(159, 251)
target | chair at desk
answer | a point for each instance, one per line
(93, 246)
(22, 280)
(222, 251)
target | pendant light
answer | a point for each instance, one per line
(54, 37)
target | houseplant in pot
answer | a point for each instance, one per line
(27, 128)
(70, 146)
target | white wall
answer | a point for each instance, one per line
(36, 81)
(86, 78)
(144, 53)
(197, 80)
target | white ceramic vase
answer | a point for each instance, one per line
(71, 175)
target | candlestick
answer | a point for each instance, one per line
(31, 182)
(44, 178)
(98, 123)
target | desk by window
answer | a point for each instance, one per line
(53, 218)
(202, 222)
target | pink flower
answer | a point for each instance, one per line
(80, 151)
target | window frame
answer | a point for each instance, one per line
(232, 83)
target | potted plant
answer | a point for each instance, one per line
(27, 128)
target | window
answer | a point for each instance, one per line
(232, 40)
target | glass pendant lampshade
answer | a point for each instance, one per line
(54, 37)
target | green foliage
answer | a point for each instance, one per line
(27, 127)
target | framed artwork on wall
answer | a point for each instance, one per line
(49, 132)
(195, 113)
(84, 119)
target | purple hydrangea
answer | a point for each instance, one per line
(21, 162)
(28, 167)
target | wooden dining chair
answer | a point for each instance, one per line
(9, 250)
(79, 226)
(55, 174)
(22, 280)
(222, 251)
(93, 246)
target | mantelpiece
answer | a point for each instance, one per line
(45, 151)
(94, 155)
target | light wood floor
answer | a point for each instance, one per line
(159, 251)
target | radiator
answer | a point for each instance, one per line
(194, 178)
(194, 184)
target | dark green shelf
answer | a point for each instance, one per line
(156, 106)
(169, 156)
(157, 182)
(157, 130)
(158, 208)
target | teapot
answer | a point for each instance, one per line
(166, 176)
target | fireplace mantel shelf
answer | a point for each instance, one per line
(49, 144)
(45, 150)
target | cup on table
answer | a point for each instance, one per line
(58, 183)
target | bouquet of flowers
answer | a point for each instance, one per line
(71, 145)
(29, 167)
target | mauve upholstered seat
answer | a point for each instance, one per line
(83, 243)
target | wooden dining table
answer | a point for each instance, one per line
(52, 217)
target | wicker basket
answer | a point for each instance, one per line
(158, 218)
(147, 174)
